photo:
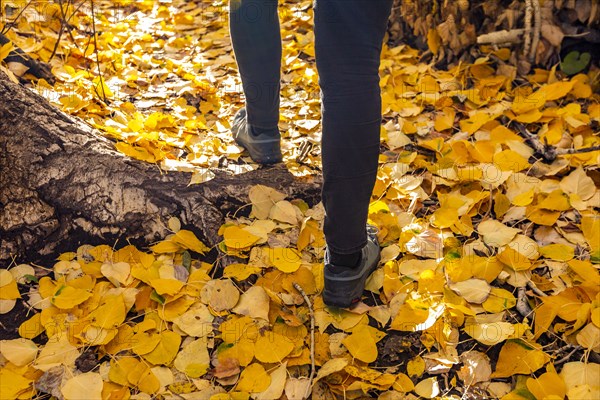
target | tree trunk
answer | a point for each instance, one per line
(62, 184)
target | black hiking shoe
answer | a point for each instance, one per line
(264, 148)
(344, 285)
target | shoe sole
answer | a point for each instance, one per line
(331, 299)
(271, 154)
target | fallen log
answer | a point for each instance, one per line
(62, 184)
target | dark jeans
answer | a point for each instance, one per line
(348, 41)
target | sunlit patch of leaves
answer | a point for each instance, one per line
(489, 282)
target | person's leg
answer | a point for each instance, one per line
(349, 35)
(256, 39)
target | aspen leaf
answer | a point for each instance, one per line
(403, 383)
(32, 327)
(7, 305)
(472, 290)
(589, 274)
(119, 369)
(272, 347)
(284, 259)
(110, 313)
(428, 388)
(284, 211)
(445, 120)
(496, 233)
(433, 42)
(445, 217)
(557, 90)
(361, 345)
(139, 153)
(69, 297)
(18, 384)
(427, 243)
(514, 259)
(547, 385)
(21, 273)
(277, 385)
(476, 368)
(166, 246)
(577, 182)
(18, 351)
(262, 199)
(396, 139)
(8, 286)
(409, 318)
(518, 357)
(197, 321)
(559, 252)
(164, 375)
(296, 388)
(143, 378)
(176, 308)
(144, 342)
(499, 300)
(166, 286)
(117, 273)
(240, 272)
(253, 379)
(415, 367)
(330, 367)
(57, 351)
(84, 386)
(529, 117)
(253, 303)
(589, 337)
(188, 240)
(389, 253)
(243, 351)
(595, 315)
(590, 226)
(166, 349)
(238, 238)
(5, 50)
(509, 160)
(489, 333)
(193, 360)
(174, 224)
(220, 294)
(581, 380)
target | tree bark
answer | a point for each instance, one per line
(62, 184)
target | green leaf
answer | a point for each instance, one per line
(187, 260)
(157, 297)
(575, 62)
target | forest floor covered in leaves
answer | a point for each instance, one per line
(486, 203)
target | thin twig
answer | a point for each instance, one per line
(535, 289)
(530, 138)
(561, 152)
(537, 28)
(60, 32)
(97, 55)
(501, 37)
(550, 153)
(67, 20)
(312, 338)
(522, 304)
(568, 356)
(527, 36)
(9, 26)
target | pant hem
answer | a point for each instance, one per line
(350, 250)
